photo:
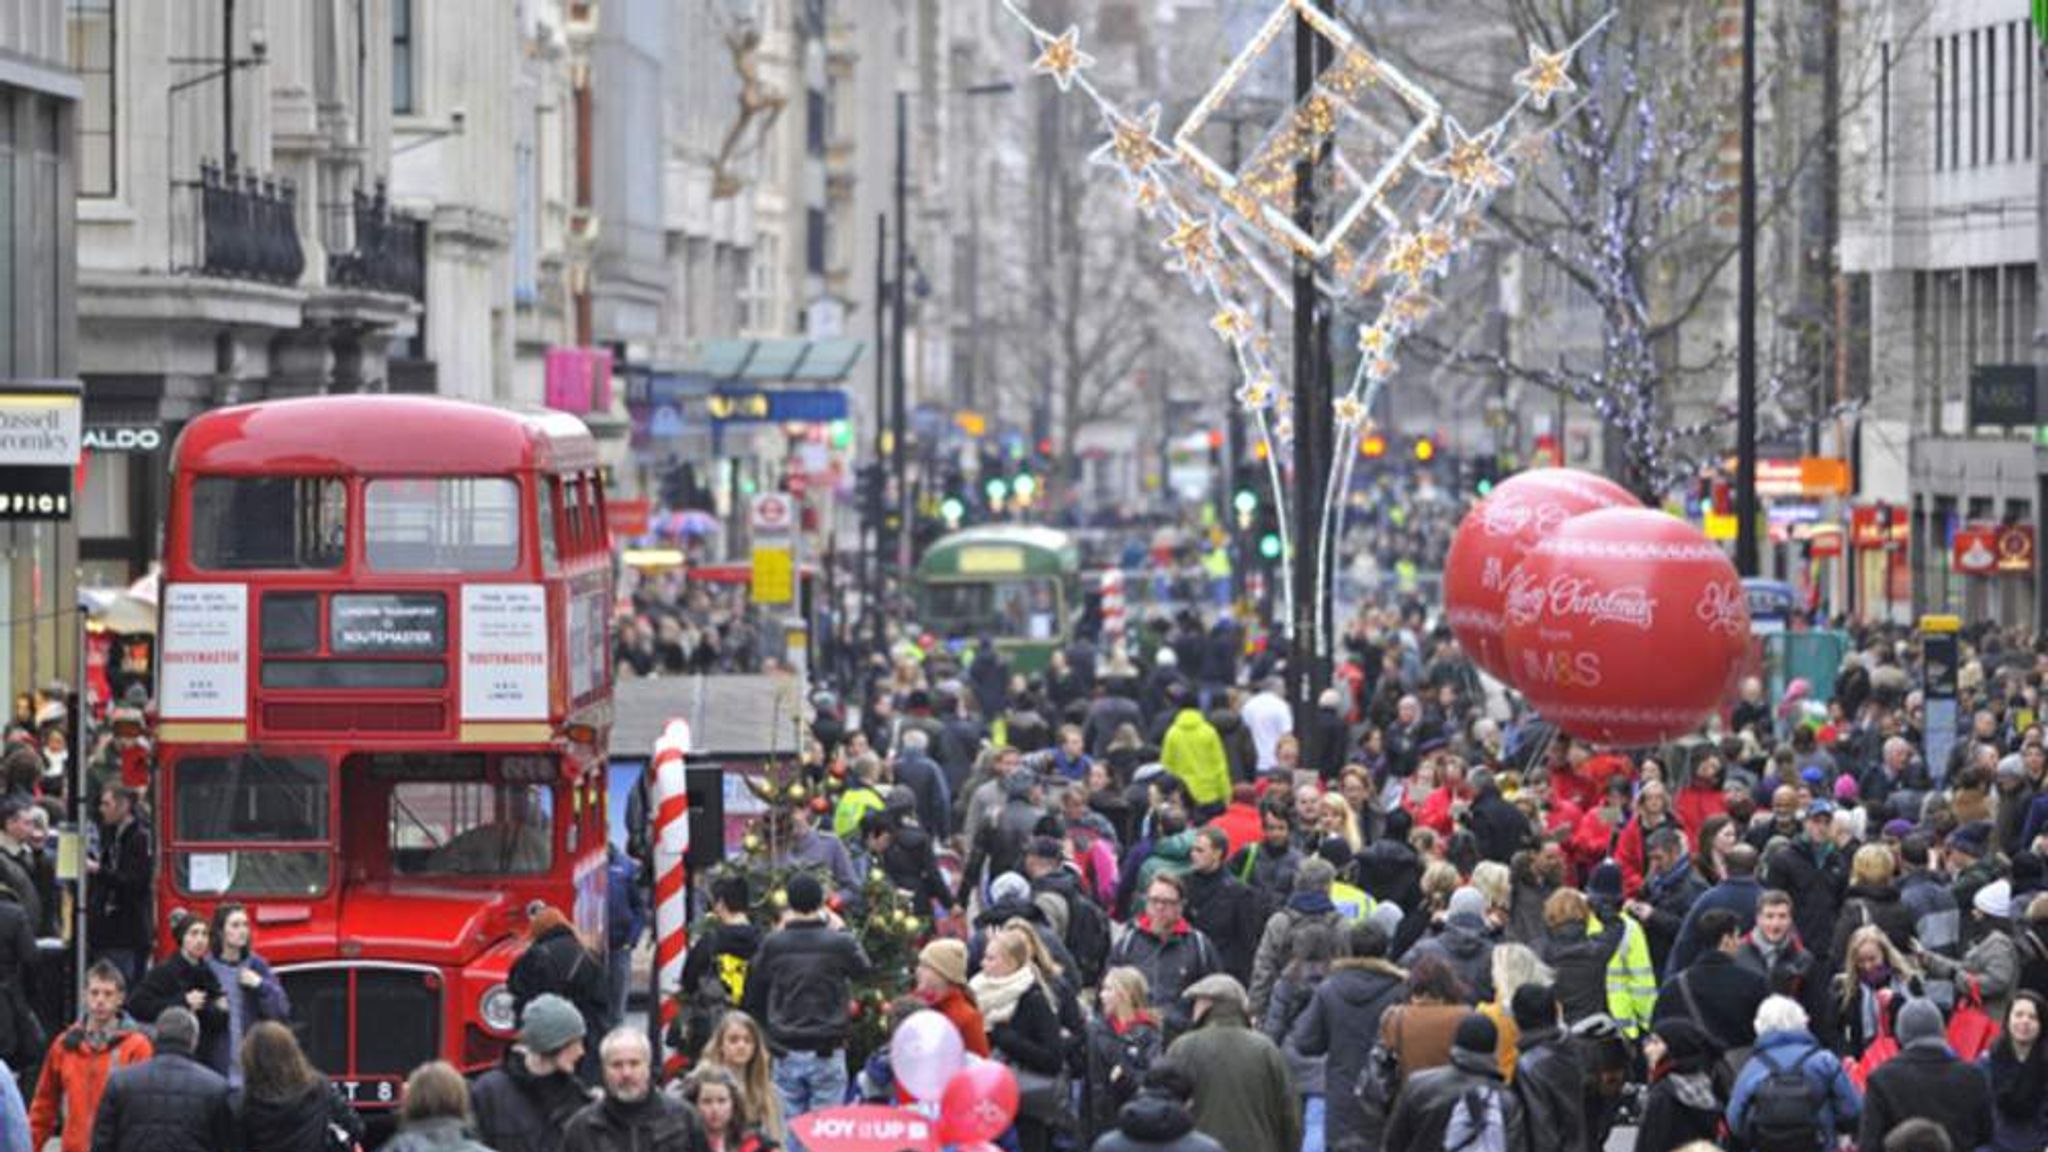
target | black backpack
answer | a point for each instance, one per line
(1783, 1116)
(1087, 937)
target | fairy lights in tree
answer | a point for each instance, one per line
(1403, 181)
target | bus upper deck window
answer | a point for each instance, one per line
(442, 524)
(277, 522)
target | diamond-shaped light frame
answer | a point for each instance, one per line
(1276, 219)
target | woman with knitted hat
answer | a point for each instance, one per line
(942, 985)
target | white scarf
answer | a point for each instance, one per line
(997, 996)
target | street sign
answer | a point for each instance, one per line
(772, 514)
(774, 574)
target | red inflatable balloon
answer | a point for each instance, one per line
(1626, 626)
(1496, 535)
(979, 1104)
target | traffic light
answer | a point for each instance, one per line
(1425, 449)
(997, 489)
(1486, 473)
(1269, 546)
(1025, 486)
(952, 509)
(1373, 446)
(1246, 502)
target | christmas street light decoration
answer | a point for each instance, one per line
(1408, 182)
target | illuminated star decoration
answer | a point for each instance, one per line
(1062, 58)
(1149, 195)
(1193, 244)
(1374, 340)
(1349, 410)
(1415, 256)
(1232, 325)
(1257, 392)
(1470, 163)
(1133, 144)
(1547, 76)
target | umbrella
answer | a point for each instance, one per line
(118, 611)
(696, 522)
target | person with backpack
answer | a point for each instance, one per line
(1220, 904)
(1927, 1081)
(1309, 904)
(1463, 1106)
(1078, 921)
(1792, 1095)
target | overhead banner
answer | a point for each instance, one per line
(204, 658)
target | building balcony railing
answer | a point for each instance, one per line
(390, 253)
(246, 225)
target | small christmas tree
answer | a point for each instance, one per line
(890, 930)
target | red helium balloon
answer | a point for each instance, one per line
(1497, 534)
(979, 1103)
(1626, 626)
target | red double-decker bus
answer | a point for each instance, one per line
(384, 702)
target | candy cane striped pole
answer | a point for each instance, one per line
(671, 884)
(1113, 602)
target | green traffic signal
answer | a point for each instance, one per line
(1269, 545)
(952, 509)
(1026, 484)
(1485, 487)
(1246, 501)
(996, 488)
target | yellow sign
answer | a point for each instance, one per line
(1941, 624)
(991, 561)
(774, 575)
(972, 423)
(1719, 527)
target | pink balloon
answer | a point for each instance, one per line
(924, 1054)
(979, 1104)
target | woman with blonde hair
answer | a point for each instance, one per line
(1514, 964)
(1871, 968)
(1439, 880)
(739, 1046)
(1496, 883)
(1023, 1026)
(1123, 1041)
(1873, 899)
(1339, 819)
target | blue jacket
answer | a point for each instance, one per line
(625, 901)
(1826, 1081)
(1737, 895)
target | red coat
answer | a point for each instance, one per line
(1695, 806)
(1591, 841)
(956, 1005)
(1436, 811)
(1630, 854)
(1586, 785)
(1562, 814)
(1240, 822)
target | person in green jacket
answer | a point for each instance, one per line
(1194, 752)
(1244, 1094)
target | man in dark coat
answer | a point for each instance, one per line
(120, 925)
(1159, 1119)
(1926, 1081)
(1549, 1077)
(1221, 905)
(990, 676)
(633, 1116)
(1738, 893)
(1339, 1023)
(1465, 942)
(1422, 1112)
(523, 1104)
(170, 1102)
(1716, 993)
(1773, 950)
(921, 774)
(1814, 873)
(1499, 826)
(798, 989)
(1160, 943)
(1670, 889)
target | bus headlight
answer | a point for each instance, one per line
(496, 1009)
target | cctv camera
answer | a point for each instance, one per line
(457, 116)
(259, 43)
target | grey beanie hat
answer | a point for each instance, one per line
(551, 1024)
(1388, 916)
(1920, 1021)
(1468, 901)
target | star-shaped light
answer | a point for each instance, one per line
(1411, 308)
(1378, 370)
(1231, 325)
(1257, 392)
(1193, 243)
(1149, 195)
(1547, 76)
(1418, 254)
(1283, 429)
(1133, 143)
(1062, 58)
(1374, 340)
(1349, 411)
(1470, 163)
